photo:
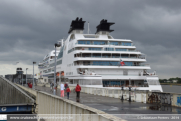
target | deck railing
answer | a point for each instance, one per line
(105, 44)
(90, 56)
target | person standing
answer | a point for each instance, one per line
(56, 87)
(68, 91)
(51, 87)
(30, 85)
(78, 89)
(62, 90)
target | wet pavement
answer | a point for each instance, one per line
(116, 106)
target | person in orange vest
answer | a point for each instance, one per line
(78, 89)
(68, 91)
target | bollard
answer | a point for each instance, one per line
(129, 94)
(122, 88)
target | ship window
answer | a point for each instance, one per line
(111, 83)
(115, 55)
(99, 42)
(126, 43)
(124, 56)
(60, 55)
(84, 42)
(108, 49)
(122, 82)
(105, 63)
(128, 63)
(110, 63)
(97, 49)
(120, 49)
(106, 55)
(96, 55)
(113, 43)
(59, 62)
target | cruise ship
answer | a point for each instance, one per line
(98, 60)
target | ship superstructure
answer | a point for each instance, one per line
(94, 60)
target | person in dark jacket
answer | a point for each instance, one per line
(78, 89)
(68, 91)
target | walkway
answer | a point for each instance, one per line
(116, 106)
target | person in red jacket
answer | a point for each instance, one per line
(29, 85)
(78, 89)
(68, 91)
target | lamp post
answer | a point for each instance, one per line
(56, 45)
(26, 76)
(15, 64)
(22, 78)
(129, 90)
(33, 74)
(122, 88)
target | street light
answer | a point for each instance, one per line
(56, 45)
(26, 76)
(15, 64)
(129, 90)
(33, 74)
(122, 88)
(22, 78)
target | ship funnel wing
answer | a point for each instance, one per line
(104, 26)
(76, 24)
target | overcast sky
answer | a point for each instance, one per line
(29, 29)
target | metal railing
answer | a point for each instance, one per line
(147, 65)
(110, 57)
(84, 49)
(104, 44)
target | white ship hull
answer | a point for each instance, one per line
(93, 60)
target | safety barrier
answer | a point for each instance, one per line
(160, 98)
(12, 94)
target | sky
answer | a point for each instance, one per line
(30, 28)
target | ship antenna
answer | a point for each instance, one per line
(88, 28)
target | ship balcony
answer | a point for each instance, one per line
(108, 48)
(116, 65)
(108, 56)
(83, 42)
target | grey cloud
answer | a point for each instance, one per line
(28, 29)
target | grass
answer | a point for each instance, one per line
(171, 84)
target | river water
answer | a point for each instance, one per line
(171, 88)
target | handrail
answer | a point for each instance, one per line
(108, 65)
(106, 44)
(110, 57)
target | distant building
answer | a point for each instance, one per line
(1, 75)
(167, 81)
(19, 76)
(174, 81)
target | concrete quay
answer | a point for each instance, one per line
(113, 105)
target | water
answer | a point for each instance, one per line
(171, 88)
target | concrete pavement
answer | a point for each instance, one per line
(116, 106)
